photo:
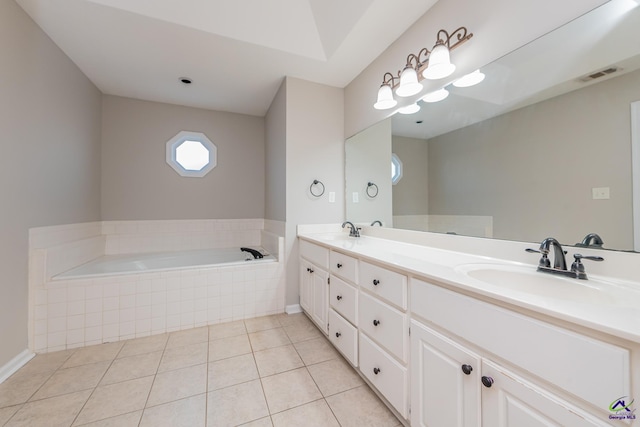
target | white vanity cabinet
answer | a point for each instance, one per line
(445, 381)
(384, 333)
(476, 388)
(512, 401)
(314, 283)
(442, 354)
(343, 303)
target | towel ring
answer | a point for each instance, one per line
(316, 182)
(369, 191)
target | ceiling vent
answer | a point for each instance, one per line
(601, 73)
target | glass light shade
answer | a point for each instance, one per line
(409, 109)
(408, 83)
(440, 65)
(436, 96)
(385, 98)
(470, 79)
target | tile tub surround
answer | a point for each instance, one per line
(270, 371)
(79, 312)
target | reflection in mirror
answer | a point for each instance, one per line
(369, 154)
(541, 148)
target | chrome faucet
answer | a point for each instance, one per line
(591, 240)
(354, 231)
(377, 221)
(559, 261)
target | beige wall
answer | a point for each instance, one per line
(410, 195)
(368, 159)
(50, 167)
(275, 157)
(315, 150)
(137, 183)
(499, 26)
(533, 169)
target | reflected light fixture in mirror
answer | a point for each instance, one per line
(409, 109)
(470, 79)
(436, 96)
(434, 64)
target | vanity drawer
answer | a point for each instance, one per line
(318, 255)
(588, 368)
(344, 299)
(384, 324)
(344, 266)
(344, 337)
(386, 284)
(385, 373)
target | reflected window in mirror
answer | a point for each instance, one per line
(396, 169)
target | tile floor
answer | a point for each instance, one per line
(269, 371)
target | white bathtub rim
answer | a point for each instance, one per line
(268, 258)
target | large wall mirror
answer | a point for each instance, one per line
(542, 147)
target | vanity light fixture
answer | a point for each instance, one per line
(385, 98)
(470, 79)
(408, 82)
(436, 96)
(430, 64)
(440, 65)
(409, 109)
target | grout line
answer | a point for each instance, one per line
(155, 376)
(206, 388)
(97, 384)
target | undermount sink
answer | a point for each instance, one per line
(528, 280)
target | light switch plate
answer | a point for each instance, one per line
(600, 193)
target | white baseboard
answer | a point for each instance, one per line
(293, 308)
(14, 364)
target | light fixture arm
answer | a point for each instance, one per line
(460, 33)
(390, 79)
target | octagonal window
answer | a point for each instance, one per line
(191, 154)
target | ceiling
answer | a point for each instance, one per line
(235, 51)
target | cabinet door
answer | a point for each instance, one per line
(445, 381)
(320, 305)
(511, 401)
(306, 285)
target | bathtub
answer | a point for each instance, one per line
(112, 265)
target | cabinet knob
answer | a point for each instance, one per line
(339, 297)
(310, 270)
(376, 371)
(376, 322)
(338, 334)
(487, 381)
(339, 265)
(467, 369)
(376, 282)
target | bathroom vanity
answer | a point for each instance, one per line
(457, 339)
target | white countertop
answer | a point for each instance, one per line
(607, 305)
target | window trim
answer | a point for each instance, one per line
(200, 137)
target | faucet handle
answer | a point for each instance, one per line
(578, 257)
(578, 267)
(544, 259)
